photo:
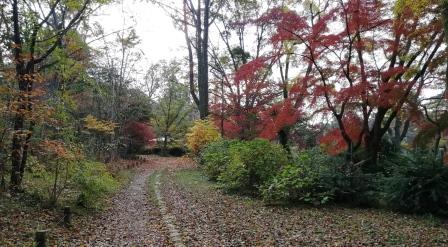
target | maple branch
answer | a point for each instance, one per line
(77, 17)
(38, 26)
(190, 59)
(416, 77)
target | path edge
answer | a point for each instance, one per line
(168, 219)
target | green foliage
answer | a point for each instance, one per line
(38, 180)
(85, 182)
(357, 188)
(94, 182)
(252, 164)
(418, 183)
(308, 180)
(215, 157)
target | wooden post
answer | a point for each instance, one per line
(67, 216)
(41, 238)
(2, 176)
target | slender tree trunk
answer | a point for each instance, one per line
(55, 186)
(204, 80)
(397, 134)
(437, 143)
(24, 77)
(222, 108)
(283, 134)
(25, 149)
(165, 146)
(202, 23)
(16, 155)
(283, 138)
(190, 58)
(20, 143)
(2, 175)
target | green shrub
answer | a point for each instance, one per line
(308, 180)
(357, 188)
(49, 180)
(418, 183)
(215, 157)
(252, 164)
(94, 182)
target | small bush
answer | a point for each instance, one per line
(176, 151)
(94, 182)
(202, 133)
(252, 164)
(418, 184)
(308, 180)
(154, 150)
(215, 157)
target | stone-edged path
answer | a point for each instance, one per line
(168, 219)
(136, 217)
(179, 207)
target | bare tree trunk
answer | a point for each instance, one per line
(283, 134)
(54, 191)
(203, 79)
(17, 142)
(165, 146)
(26, 148)
(25, 76)
(437, 143)
(190, 57)
(201, 16)
(2, 175)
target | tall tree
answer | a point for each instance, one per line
(172, 113)
(245, 39)
(36, 30)
(201, 16)
(367, 60)
(195, 20)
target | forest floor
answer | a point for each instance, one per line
(169, 203)
(208, 217)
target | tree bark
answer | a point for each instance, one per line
(16, 155)
(201, 20)
(283, 135)
(25, 76)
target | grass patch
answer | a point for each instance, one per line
(124, 177)
(151, 183)
(194, 178)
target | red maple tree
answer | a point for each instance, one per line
(140, 134)
(245, 97)
(366, 62)
(252, 106)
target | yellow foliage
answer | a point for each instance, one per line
(4, 90)
(107, 127)
(417, 7)
(202, 133)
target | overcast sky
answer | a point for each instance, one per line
(159, 38)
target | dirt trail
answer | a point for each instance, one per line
(134, 218)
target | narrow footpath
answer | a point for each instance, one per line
(134, 218)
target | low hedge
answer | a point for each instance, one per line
(243, 166)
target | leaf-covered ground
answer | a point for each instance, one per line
(204, 216)
(132, 221)
(132, 217)
(207, 217)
